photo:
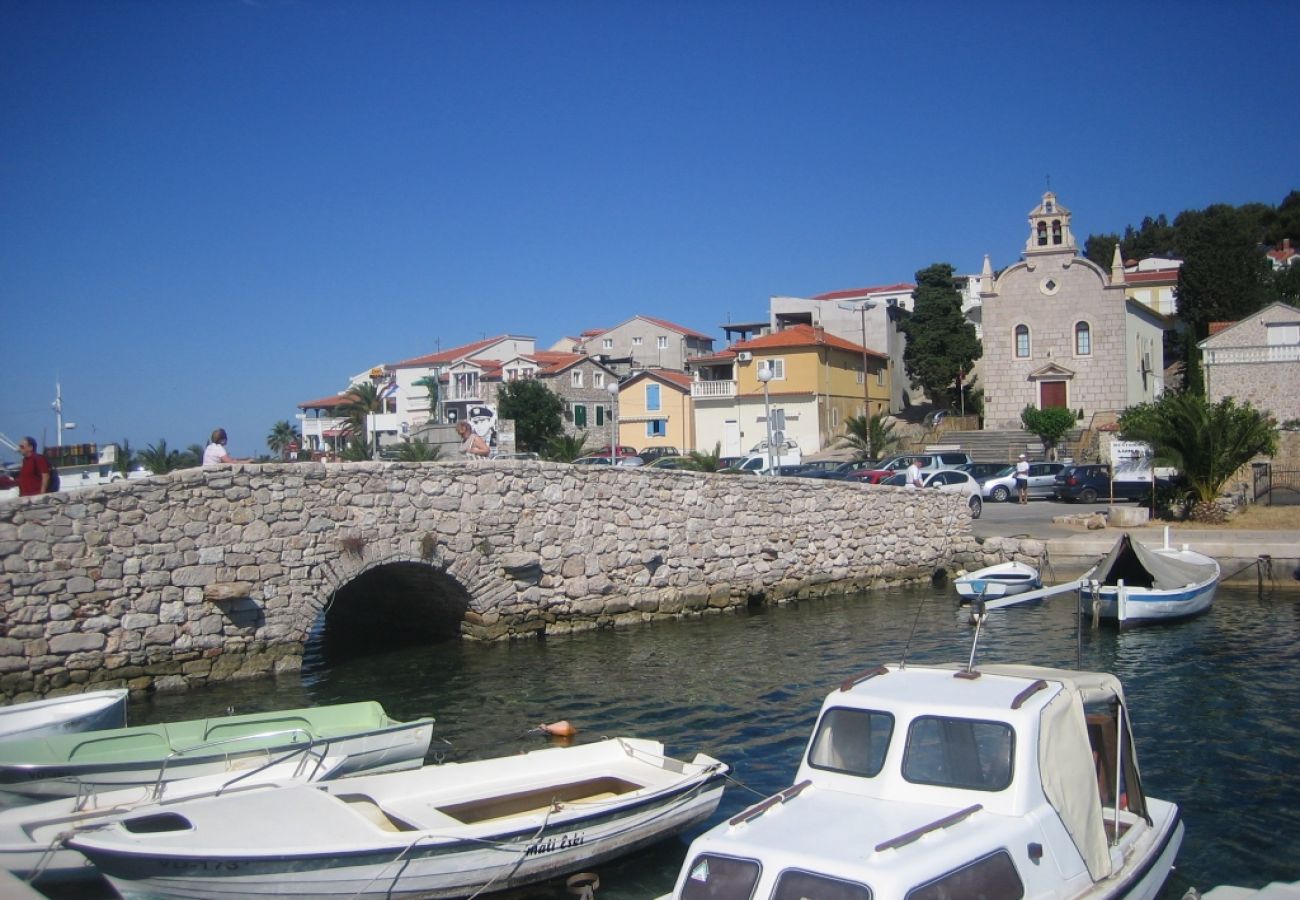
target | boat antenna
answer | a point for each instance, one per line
(902, 663)
(979, 615)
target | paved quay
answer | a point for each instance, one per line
(1071, 549)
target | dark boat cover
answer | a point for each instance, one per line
(1139, 566)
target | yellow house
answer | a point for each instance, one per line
(817, 381)
(655, 410)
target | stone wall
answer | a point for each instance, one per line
(209, 574)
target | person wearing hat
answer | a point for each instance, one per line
(1022, 479)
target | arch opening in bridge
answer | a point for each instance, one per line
(386, 607)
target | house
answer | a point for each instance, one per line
(462, 373)
(1256, 359)
(324, 423)
(1282, 256)
(1061, 331)
(655, 410)
(817, 382)
(867, 316)
(643, 342)
(582, 382)
(1154, 282)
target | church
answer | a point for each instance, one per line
(1059, 331)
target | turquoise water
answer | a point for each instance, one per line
(1214, 704)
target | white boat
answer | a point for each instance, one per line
(442, 831)
(68, 765)
(1135, 584)
(31, 836)
(994, 582)
(927, 782)
(90, 711)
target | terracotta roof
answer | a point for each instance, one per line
(866, 291)
(1216, 327)
(447, 356)
(802, 336)
(325, 402)
(1169, 276)
(689, 332)
(727, 355)
(679, 380)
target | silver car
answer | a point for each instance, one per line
(1042, 482)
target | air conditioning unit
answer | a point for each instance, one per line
(745, 356)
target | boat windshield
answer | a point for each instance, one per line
(960, 753)
(852, 741)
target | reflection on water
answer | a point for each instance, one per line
(1212, 699)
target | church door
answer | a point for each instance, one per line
(1051, 393)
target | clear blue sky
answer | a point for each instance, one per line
(212, 210)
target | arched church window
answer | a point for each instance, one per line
(1022, 342)
(1056, 231)
(1042, 234)
(1082, 339)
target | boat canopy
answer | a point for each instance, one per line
(1138, 566)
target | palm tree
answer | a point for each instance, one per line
(363, 399)
(283, 433)
(191, 456)
(159, 460)
(430, 382)
(125, 457)
(1207, 442)
(868, 438)
(357, 450)
(418, 450)
(565, 447)
(701, 461)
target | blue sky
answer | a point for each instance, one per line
(212, 210)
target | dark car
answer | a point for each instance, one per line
(829, 468)
(1091, 482)
(983, 471)
(622, 451)
(650, 454)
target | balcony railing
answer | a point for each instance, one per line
(713, 390)
(1273, 353)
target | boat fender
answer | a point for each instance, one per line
(555, 729)
(583, 885)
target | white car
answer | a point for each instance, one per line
(952, 481)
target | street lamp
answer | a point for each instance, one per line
(612, 387)
(765, 375)
(862, 308)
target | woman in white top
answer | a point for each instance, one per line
(471, 445)
(214, 454)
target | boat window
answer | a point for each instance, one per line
(157, 823)
(962, 753)
(796, 885)
(715, 877)
(992, 878)
(852, 741)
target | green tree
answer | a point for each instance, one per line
(362, 400)
(430, 383)
(418, 450)
(941, 344)
(565, 447)
(357, 450)
(282, 434)
(156, 458)
(704, 461)
(125, 457)
(868, 438)
(191, 456)
(537, 412)
(1207, 442)
(1224, 276)
(1050, 425)
(1100, 248)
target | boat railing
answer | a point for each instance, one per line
(292, 733)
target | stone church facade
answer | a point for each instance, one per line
(1059, 330)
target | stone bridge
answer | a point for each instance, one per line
(212, 574)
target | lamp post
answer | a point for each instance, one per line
(612, 387)
(765, 375)
(862, 308)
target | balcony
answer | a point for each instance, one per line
(713, 390)
(1272, 353)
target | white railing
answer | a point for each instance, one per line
(1258, 354)
(713, 390)
(316, 426)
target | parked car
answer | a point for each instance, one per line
(828, 468)
(728, 462)
(950, 481)
(621, 450)
(1091, 482)
(930, 462)
(671, 462)
(650, 454)
(757, 465)
(982, 472)
(1042, 482)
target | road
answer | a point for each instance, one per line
(1033, 520)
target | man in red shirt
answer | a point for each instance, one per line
(34, 476)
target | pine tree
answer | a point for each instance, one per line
(941, 344)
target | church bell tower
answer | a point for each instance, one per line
(1049, 228)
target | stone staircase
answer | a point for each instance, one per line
(1001, 446)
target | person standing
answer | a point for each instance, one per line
(1022, 479)
(214, 454)
(913, 476)
(471, 445)
(34, 476)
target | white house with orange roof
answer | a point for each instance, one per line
(867, 316)
(647, 343)
(1153, 282)
(461, 371)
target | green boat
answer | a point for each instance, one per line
(361, 735)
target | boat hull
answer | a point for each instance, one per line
(64, 715)
(995, 582)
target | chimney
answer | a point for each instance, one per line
(819, 334)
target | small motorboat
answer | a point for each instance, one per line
(71, 764)
(951, 781)
(90, 711)
(1135, 584)
(995, 582)
(450, 830)
(31, 836)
